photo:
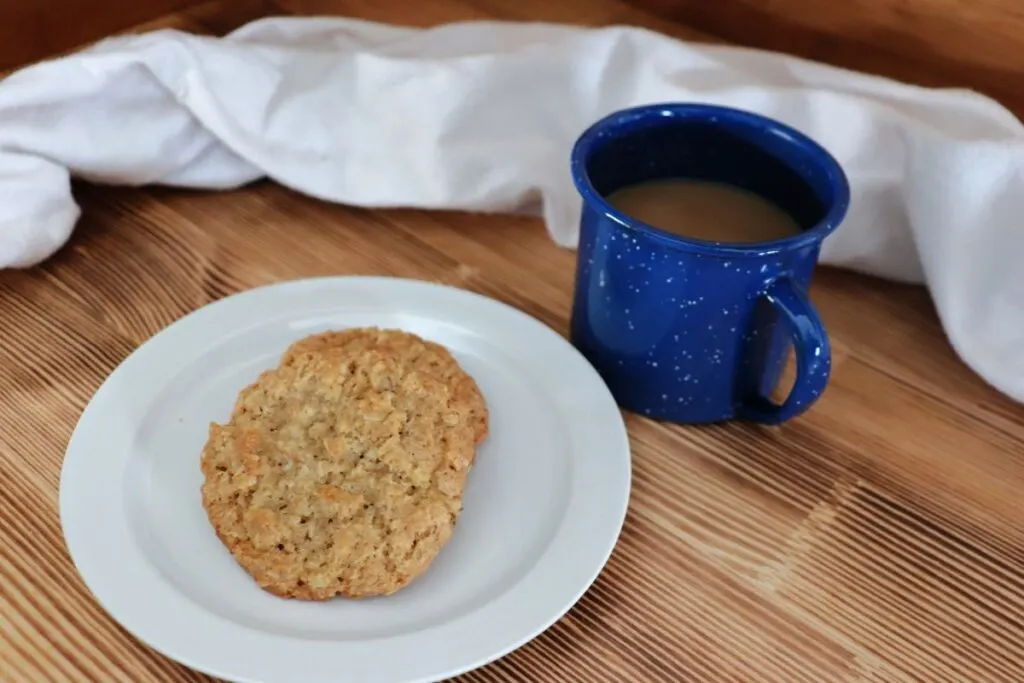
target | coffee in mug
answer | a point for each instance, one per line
(704, 210)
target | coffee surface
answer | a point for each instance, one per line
(704, 210)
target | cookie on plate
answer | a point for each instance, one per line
(416, 352)
(339, 474)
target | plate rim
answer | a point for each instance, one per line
(91, 571)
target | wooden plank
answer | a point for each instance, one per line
(977, 44)
(878, 538)
(31, 30)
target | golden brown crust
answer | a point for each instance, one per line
(417, 353)
(339, 474)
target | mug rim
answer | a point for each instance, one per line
(586, 142)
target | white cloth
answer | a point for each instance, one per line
(482, 116)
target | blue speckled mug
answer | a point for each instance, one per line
(692, 331)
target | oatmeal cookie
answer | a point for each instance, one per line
(338, 474)
(418, 353)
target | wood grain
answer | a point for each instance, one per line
(977, 44)
(31, 30)
(878, 538)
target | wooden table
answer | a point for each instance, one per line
(878, 538)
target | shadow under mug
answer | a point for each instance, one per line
(687, 330)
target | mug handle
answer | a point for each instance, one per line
(812, 350)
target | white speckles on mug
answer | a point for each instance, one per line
(695, 331)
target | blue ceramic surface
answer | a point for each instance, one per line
(692, 331)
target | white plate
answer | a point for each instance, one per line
(542, 510)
